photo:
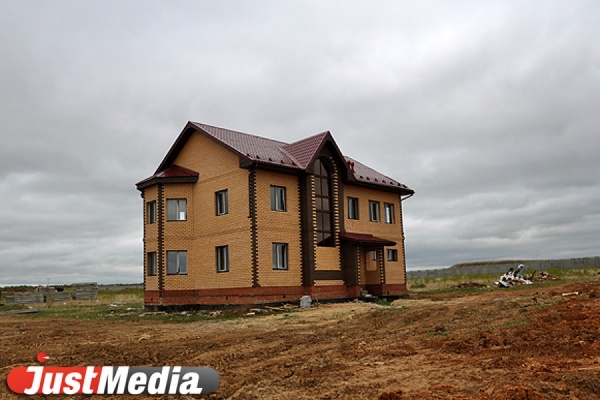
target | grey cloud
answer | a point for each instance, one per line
(487, 110)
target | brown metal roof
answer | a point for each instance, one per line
(368, 175)
(305, 150)
(176, 170)
(173, 174)
(365, 239)
(253, 149)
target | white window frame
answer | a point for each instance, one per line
(181, 262)
(176, 209)
(222, 253)
(222, 202)
(278, 198)
(374, 211)
(388, 211)
(280, 256)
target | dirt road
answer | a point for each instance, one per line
(502, 344)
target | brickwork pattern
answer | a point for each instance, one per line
(249, 229)
(394, 270)
(278, 227)
(203, 230)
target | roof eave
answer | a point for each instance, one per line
(388, 188)
(155, 180)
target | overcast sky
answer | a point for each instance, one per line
(489, 110)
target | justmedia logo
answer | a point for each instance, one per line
(111, 380)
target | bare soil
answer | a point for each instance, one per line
(527, 344)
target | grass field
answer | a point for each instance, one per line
(128, 304)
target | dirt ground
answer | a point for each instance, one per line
(530, 344)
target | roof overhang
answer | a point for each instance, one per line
(173, 174)
(365, 239)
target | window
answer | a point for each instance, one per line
(151, 263)
(352, 208)
(324, 204)
(176, 262)
(176, 209)
(222, 202)
(388, 209)
(277, 198)
(223, 259)
(373, 211)
(151, 212)
(374, 255)
(280, 256)
(392, 255)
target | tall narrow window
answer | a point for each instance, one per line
(324, 204)
(223, 259)
(388, 209)
(176, 262)
(151, 260)
(222, 202)
(280, 256)
(352, 208)
(277, 198)
(176, 209)
(151, 212)
(373, 211)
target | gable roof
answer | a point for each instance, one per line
(298, 156)
(304, 151)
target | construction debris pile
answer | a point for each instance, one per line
(513, 277)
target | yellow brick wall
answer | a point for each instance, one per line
(150, 230)
(278, 227)
(150, 236)
(179, 229)
(207, 157)
(204, 230)
(394, 270)
(329, 283)
(328, 258)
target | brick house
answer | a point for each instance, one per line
(233, 218)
